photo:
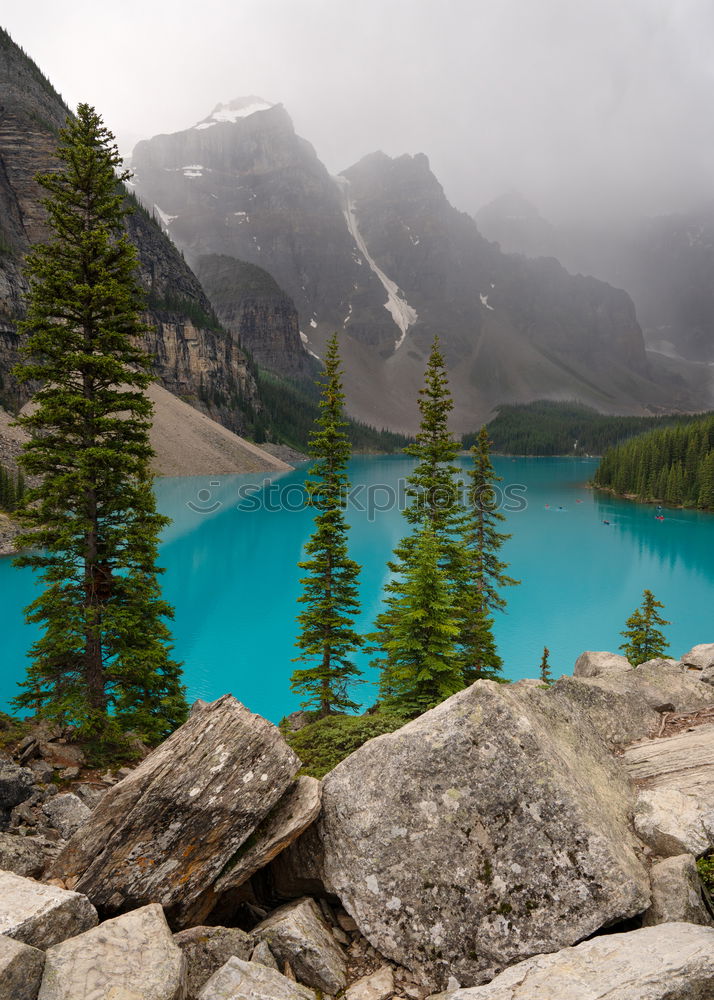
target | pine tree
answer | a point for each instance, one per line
(484, 572)
(103, 661)
(433, 487)
(644, 640)
(545, 674)
(330, 588)
(417, 633)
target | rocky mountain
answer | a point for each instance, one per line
(194, 356)
(381, 255)
(666, 264)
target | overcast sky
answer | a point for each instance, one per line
(579, 104)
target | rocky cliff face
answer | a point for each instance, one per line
(251, 305)
(193, 355)
(379, 254)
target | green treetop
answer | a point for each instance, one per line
(485, 572)
(417, 633)
(330, 595)
(103, 661)
(643, 635)
(544, 669)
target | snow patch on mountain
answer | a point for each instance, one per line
(401, 312)
(242, 107)
(166, 219)
(484, 302)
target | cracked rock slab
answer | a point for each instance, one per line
(494, 827)
(669, 962)
(131, 957)
(297, 934)
(677, 894)
(41, 915)
(239, 980)
(167, 831)
(20, 970)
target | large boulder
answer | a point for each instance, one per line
(239, 980)
(207, 949)
(297, 934)
(699, 661)
(167, 831)
(494, 827)
(41, 915)
(668, 962)
(132, 957)
(660, 684)
(20, 970)
(600, 664)
(677, 894)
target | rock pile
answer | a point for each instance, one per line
(471, 851)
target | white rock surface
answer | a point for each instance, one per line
(667, 962)
(131, 957)
(239, 980)
(378, 986)
(672, 822)
(66, 812)
(41, 915)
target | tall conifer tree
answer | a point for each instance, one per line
(330, 593)
(103, 661)
(485, 573)
(417, 634)
(428, 564)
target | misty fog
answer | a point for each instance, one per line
(590, 108)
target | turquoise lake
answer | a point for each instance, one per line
(230, 557)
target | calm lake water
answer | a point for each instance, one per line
(230, 558)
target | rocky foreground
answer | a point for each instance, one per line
(515, 843)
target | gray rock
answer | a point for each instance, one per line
(298, 934)
(677, 894)
(600, 664)
(169, 830)
(91, 795)
(264, 956)
(494, 827)
(20, 970)
(667, 962)
(41, 915)
(66, 813)
(16, 785)
(619, 718)
(132, 957)
(207, 949)
(239, 980)
(661, 662)
(41, 770)
(298, 808)
(671, 822)
(661, 687)
(377, 986)
(700, 661)
(28, 856)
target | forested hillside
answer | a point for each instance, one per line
(674, 466)
(552, 428)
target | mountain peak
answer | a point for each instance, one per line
(240, 107)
